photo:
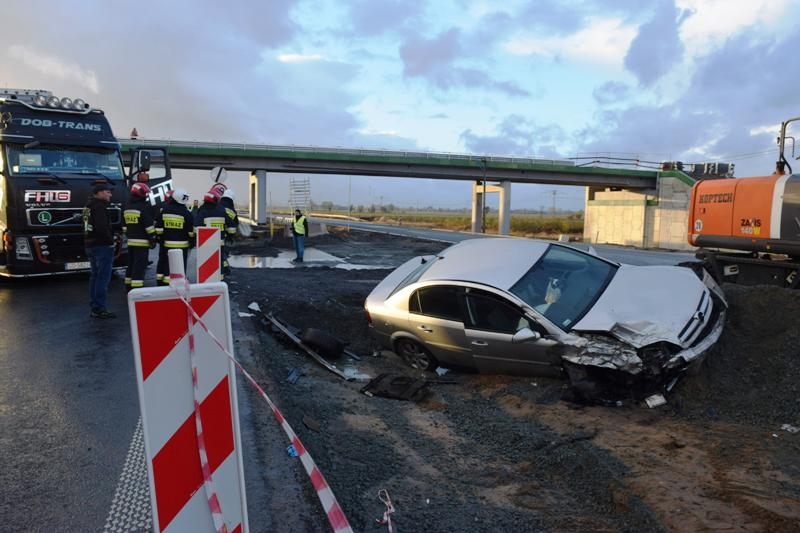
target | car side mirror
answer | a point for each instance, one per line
(525, 335)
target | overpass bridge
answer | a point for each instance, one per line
(500, 171)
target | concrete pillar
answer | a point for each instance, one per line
(477, 207)
(504, 189)
(258, 196)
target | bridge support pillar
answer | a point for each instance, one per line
(258, 196)
(504, 215)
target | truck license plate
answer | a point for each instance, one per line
(79, 265)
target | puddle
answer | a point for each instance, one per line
(311, 258)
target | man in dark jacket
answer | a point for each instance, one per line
(141, 233)
(175, 230)
(98, 239)
(299, 233)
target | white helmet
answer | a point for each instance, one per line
(180, 195)
(229, 194)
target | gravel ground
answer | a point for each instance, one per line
(504, 453)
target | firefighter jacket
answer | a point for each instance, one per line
(96, 224)
(139, 225)
(231, 217)
(174, 225)
(214, 216)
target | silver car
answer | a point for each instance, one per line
(530, 307)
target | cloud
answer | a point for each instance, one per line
(601, 41)
(611, 92)
(517, 136)
(369, 18)
(299, 58)
(434, 60)
(56, 67)
(656, 47)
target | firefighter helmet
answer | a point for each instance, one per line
(219, 188)
(180, 195)
(229, 194)
(140, 189)
(212, 196)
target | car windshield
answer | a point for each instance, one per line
(64, 160)
(563, 284)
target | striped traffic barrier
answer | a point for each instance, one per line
(187, 396)
(208, 254)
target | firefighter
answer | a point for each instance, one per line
(175, 230)
(231, 225)
(212, 214)
(141, 232)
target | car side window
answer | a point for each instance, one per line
(441, 302)
(491, 313)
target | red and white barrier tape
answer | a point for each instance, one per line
(214, 504)
(333, 510)
(383, 495)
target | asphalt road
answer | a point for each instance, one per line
(621, 254)
(69, 411)
(68, 404)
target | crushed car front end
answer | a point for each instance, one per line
(631, 355)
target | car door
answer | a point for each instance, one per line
(436, 317)
(491, 323)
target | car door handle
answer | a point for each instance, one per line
(426, 329)
(479, 343)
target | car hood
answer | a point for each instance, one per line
(647, 304)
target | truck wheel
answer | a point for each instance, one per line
(415, 355)
(323, 343)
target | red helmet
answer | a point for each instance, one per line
(219, 188)
(212, 196)
(140, 189)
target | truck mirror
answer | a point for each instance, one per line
(142, 160)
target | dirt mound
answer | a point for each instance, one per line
(752, 374)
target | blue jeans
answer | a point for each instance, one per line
(101, 259)
(299, 246)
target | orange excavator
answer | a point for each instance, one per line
(748, 229)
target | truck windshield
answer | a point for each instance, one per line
(64, 160)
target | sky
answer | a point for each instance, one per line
(654, 80)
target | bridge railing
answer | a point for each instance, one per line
(345, 151)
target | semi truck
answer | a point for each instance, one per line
(748, 229)
(53, 151)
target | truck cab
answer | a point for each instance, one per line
(53, 151)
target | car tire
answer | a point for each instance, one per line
(323, 343)
(415, 354)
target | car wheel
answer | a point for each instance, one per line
(415, 355)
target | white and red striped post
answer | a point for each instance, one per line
(187, 396)
(208, 248)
